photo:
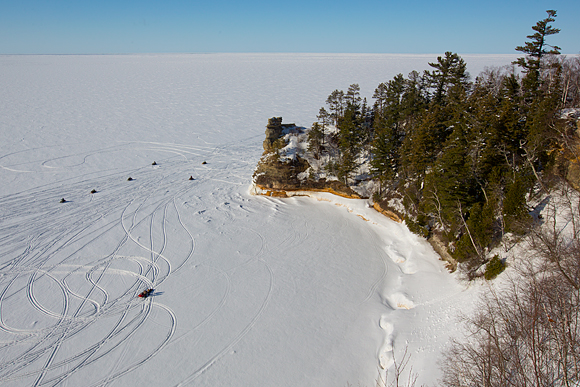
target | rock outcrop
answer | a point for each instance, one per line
(274, 131)
(275, 175)
(384, 209)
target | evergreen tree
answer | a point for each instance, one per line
(380, 95)
(476, 234)
(336, 105)
(450, 183)
(515, 213)
(315, 140)
(393, 109)
(535, 50)
(346, 166)
(423, 142)
(386, 147)
(496, 126)
(417, 150)
(352, 97)
(511, 120)
(414, 99)
(450, 73)
(541, 96)
(324, 117)
(461, 156)
(483, 135)
(349, 131)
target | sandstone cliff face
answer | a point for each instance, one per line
(273, 173)
(274, 131)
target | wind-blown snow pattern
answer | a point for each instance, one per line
(248, 290)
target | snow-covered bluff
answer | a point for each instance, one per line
(283, 169)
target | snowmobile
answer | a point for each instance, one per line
(145, 293)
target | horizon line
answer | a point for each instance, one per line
(257, 52)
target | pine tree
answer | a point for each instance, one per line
(418, 149)
(380, 95)
(386, 147)
(535, 50)
(345, 166)
(483, 135)
(450, 184)
(414, 99)
(515, 213)
(324, 117)
(450, 72)
(336, 105)
(315, 140)
(352, 97)
(496, 126)
(476, 235)
(449, 83)
(541, 96)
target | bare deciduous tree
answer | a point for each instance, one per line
(398, 376)
(527, 332)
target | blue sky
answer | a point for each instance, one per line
(337, 26)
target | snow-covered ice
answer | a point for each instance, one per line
(249, 290)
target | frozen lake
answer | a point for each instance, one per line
(248, 291)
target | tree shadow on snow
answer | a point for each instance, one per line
(536, 211)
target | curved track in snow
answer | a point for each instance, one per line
(71, 271)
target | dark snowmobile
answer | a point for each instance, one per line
(145, 293)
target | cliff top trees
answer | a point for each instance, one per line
(462, 157)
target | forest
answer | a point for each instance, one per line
(463, 158)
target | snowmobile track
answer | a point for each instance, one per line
(59, 253)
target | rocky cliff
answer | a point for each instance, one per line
(284, 168)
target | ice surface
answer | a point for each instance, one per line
(249, 291)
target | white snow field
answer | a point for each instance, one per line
(248, 290)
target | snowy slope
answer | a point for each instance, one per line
(249, 291)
